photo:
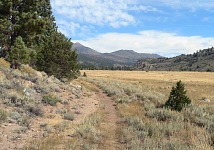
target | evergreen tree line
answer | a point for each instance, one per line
(29, 35)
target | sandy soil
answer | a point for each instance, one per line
(89, 100)
(11, 139)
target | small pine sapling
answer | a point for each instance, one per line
(177, 99)
(84, 74)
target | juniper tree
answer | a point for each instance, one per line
(177, 99)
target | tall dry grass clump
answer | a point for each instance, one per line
(4, 63)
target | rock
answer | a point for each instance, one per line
(206, 100)
(11, 120)
(45, 134)
(65, 102)
(39, 90)
(78, 86)
(27, 92)
(71, 135)
(16, 137)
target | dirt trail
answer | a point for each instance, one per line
(109, 125)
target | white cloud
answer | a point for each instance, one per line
(190, 4)
(64, 27)
(164, 43)
(115, 13)
(208, 19)
(97, 12)
(72, 28)
(144, 8)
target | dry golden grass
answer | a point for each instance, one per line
(29, 70)
(87, 85)
(145, 123)
(206, 77)
(198, 84)
(4, 63)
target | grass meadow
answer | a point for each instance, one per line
(197, 84)
(145, 124)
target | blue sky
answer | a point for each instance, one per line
(165, 27)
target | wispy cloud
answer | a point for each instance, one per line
(69, 28)
(92, 20)
(112, 13)
(208, 19)
(150, 41)
(189, 4)
(144, 8)
(95, 12)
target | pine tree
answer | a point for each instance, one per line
(28, 34)
(5, 23)
(31, 23)
(19, 54)
(84, 74)
(39, 22)
(57, 58)
(177, 99)
(30, 19)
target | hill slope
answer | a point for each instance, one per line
(34, 106)
(89, 57)
(202, 60)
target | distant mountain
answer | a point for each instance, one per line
(202, 60)
(121, 58)
(130, 54)
(84, 50)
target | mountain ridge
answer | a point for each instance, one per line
(83, 49)
(89, 57)
(202, 60)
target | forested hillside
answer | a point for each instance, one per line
(202, 60)
(29, 35)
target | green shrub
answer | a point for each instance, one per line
(35, 110)
(135, 121)
(69, 116)
(21, 130)
(164, 115)
(94, 119)
(48, 99)
(89, 132)
(15, 115)
(177, 99)
(3, 115)
(25, 121)
(62, 126)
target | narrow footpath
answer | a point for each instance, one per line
(109, 125)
